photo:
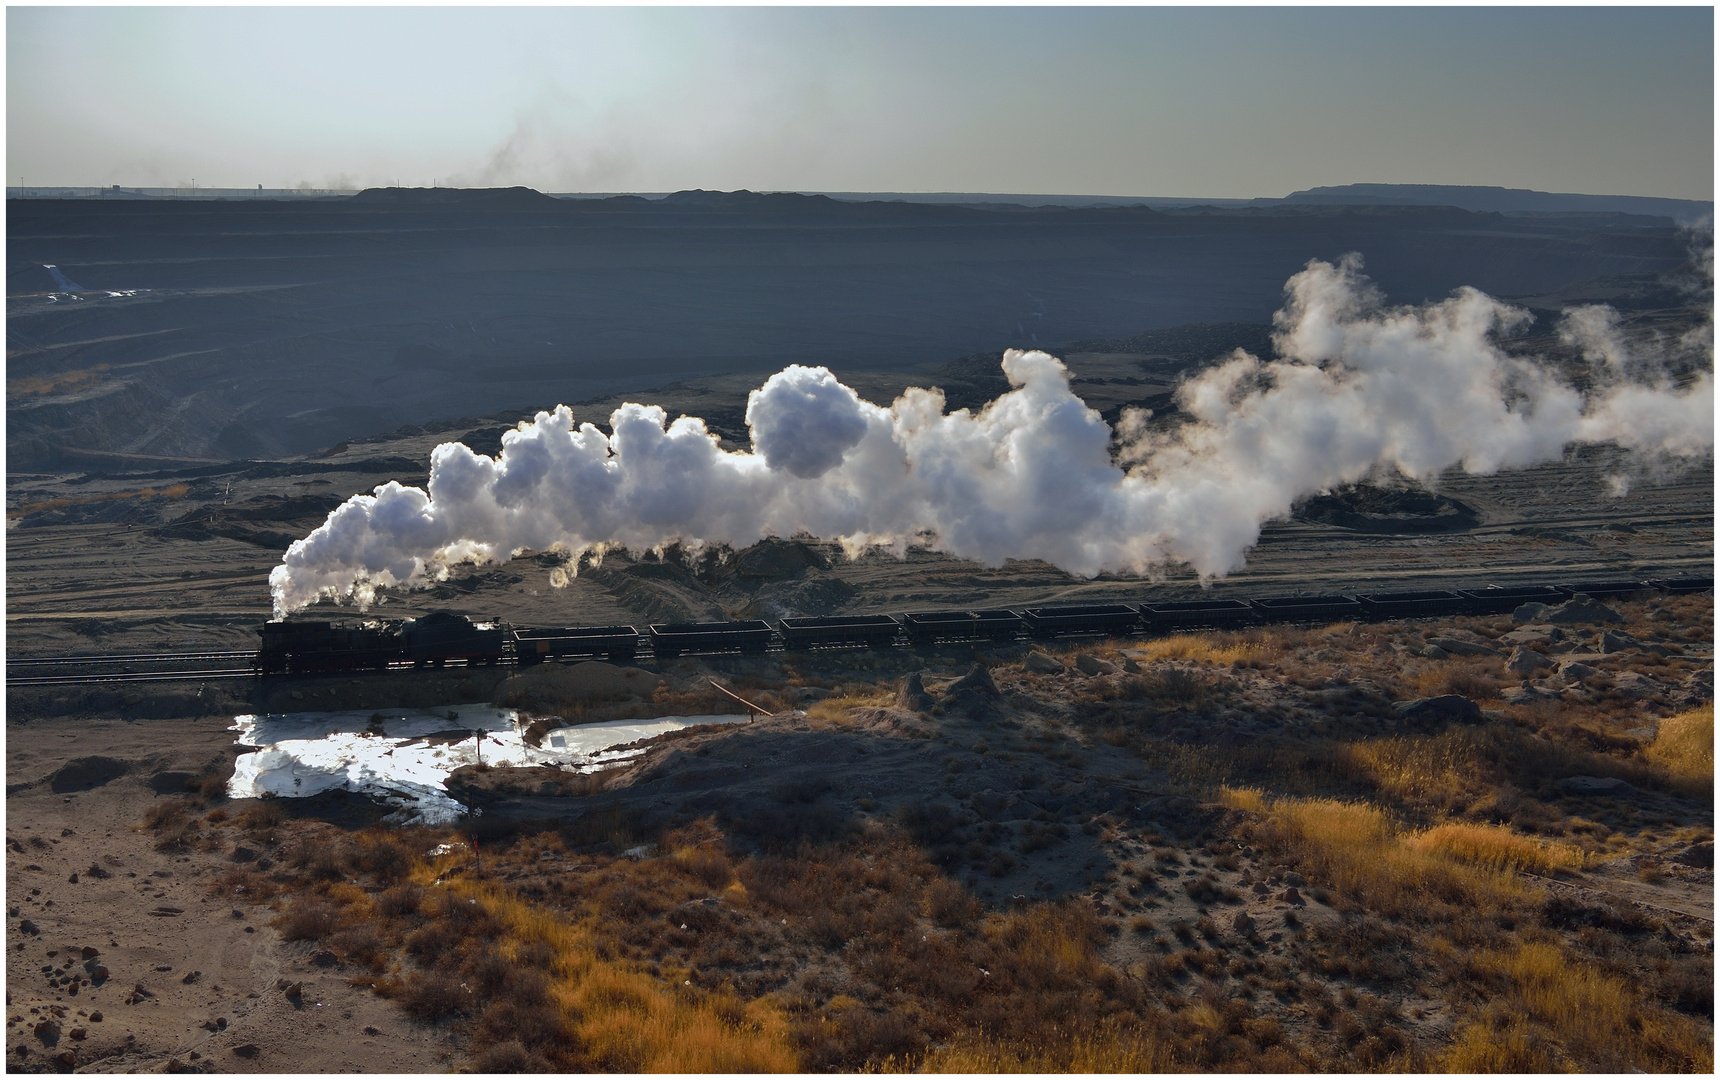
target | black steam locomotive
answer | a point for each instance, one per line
(295, 647)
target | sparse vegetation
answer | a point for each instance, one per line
(1341, 890)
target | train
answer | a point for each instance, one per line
(303, 646)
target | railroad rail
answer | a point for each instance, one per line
(442, 640)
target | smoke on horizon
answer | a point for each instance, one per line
(1359, 388)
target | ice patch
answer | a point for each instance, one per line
(404, 758)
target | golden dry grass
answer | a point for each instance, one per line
(1364, 854)
(1684, 747)
(627, 1020)
(1109, 1052)
(1584, 1018)
(1224, 649)
(835, 709)
(1496, 848)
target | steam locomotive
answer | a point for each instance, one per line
(293, 646)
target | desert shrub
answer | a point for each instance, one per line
(400, 901)
(383, 858)
(1684, 747)
(511, 1057)
(360, 945)
(307, 918)
(434, 995)
(948, 904)
(711, 867)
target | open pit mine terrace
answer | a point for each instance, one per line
(441, 639)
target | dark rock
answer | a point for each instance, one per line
(1291, 896)
(1446, 708)
(1092, 665)
(1042, 663)
(1459, 647)
(911, 694)
(1580, 609)
(1242, 924)
(191, 977)
(976, 681)
(1526, 661)
(248, 1050)
(1596, 785)
(324, 959)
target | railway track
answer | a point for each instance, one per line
(801, 634)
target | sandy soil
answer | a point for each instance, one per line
(211, 975)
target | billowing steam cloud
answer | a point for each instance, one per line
(1035, 474)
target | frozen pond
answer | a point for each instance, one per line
(403, 758)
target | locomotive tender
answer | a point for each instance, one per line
(292, 646)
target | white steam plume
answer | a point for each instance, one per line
(1359, 387)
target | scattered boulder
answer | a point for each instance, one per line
(1575, 671)
(1459, 647)
(1523, 695)
(1539, 636)
(248, 1050)
(1446, 708)
(1525, 661)
(1611, 641)
(1578, 609)
(1432, 652)
(1242, 924)
(1092, 665)
(911, 694)
(1637, 685)
(1596, 785)
(976, 681)
(1130, 666)
(1042, 663)
(1291, 896)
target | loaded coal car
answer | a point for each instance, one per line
(1056, 621)
(1608, 589)
(1682, 584)
(1171, 615)
(868, 631)
(293, 646)
(1425, 604)
(1308, 609)
(442, 636)
(1504, 599)
(669, 640)
(533, 645)
(984, 624)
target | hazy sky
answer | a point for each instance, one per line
(1220, 103)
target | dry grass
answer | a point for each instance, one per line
(1497, 848)
(1224, 649)
(1684, 747)
(1552, 1014)
(1112, 1051)
(1365, 855)
(835, 709)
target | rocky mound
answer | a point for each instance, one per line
(1366, 508)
